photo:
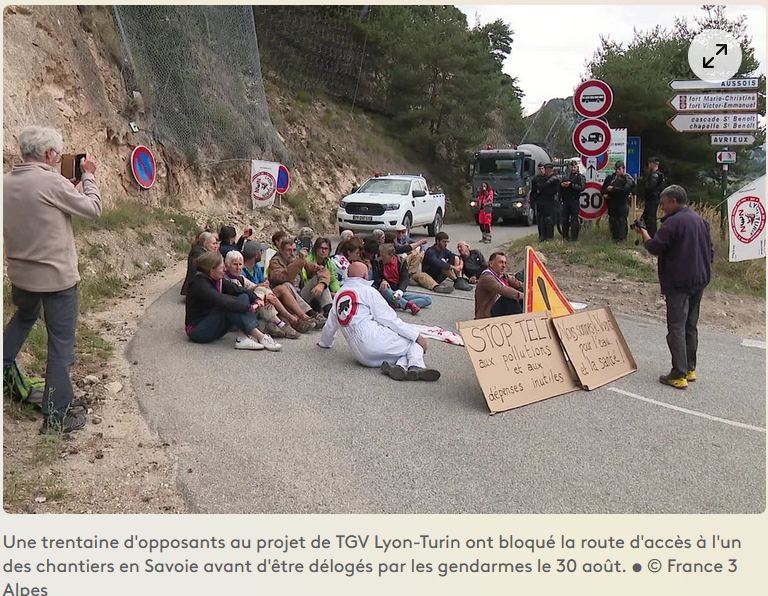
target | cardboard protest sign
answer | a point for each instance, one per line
(517, 359)
(595, 346)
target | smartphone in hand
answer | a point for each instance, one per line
(70, 166)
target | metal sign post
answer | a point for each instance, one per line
(724, 204)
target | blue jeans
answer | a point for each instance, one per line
(61, 309)
(218, 323)
(419, 300)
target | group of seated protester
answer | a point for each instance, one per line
(288, 286)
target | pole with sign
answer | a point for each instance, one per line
(714, 102)
(720, 122)
(730, 84)
(732, 139)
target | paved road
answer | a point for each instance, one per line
(310, 431)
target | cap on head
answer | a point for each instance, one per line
(655, 160)
(252, 248)
(401, 228)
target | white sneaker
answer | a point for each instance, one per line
(270, 344)
(247, 343)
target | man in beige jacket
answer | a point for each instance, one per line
(38, 205)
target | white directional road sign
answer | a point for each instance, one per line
(714, 102)
(713, 122)
(730, 84)
(726, 157)
(593, 99)
(592, 137)
(731, 139)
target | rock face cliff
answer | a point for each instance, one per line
(64, 67)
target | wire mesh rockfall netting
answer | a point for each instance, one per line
(320, 48)
(199, 72)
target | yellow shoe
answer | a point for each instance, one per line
(676, 383)
(691, 376)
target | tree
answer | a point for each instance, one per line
(639, 75)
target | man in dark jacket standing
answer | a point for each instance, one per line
(570, 192)
(616, 190)
(546, 202)
(654, 183)
(685, 250)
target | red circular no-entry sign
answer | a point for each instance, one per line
(593, 99)
(592, 137)
(143, 166)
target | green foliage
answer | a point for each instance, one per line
(299, 202)
(94, 290)
(639, 74)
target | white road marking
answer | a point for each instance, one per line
(753, 343)
(685, 411)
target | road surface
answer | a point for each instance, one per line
(308, 430)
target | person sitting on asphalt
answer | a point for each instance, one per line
(474, 262)
(444, 267)
(498, 294)
(374, 332)
(272, 250)
(321, 255)
(306, 235)
(204, 241)
(378, 235)
(286, 267)
(390, 277)
(403, 239)
(215, 304)
(235, 269)
(227, 242)
(345, 236)
(370, 253)
(288, 308)
(350, 252)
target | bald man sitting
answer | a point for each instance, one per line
(378, 338)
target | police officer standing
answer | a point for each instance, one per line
(654, 184)
(546, 203)
(570, 192)
(616, 190)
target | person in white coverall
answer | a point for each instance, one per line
(374, 332)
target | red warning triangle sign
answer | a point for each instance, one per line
(541, 291)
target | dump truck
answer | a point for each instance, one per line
(509, 173)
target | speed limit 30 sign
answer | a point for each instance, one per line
(591, 202)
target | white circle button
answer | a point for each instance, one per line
(714, 55)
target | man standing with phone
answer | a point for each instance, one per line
(38, 205)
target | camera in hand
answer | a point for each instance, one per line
(70, 166)
(638, 224)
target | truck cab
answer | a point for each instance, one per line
(509, 173)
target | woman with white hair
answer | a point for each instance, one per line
(233, 263)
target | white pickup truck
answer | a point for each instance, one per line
(385, 202)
